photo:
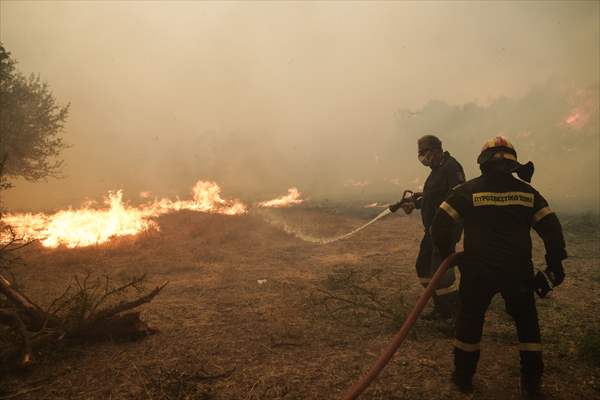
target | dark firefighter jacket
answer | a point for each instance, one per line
(497, 212)
(439, 182)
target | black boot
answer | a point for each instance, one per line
(531, 388)
(463, 382)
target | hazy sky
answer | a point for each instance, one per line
(264, 96)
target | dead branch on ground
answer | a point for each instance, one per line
(355, 296)
(349, 291)
(89, 310)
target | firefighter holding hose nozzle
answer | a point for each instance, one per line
(497, 211)
(446, 173)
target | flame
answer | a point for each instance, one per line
(578, 117)
(293, 197)
(584, 106)
(87, 226)
(82, 227)
(206, 198)
(571, 119)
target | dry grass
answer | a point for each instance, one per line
(225, 336)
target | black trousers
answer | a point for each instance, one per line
(477, 288)
(428, 261)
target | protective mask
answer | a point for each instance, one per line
(426, 159)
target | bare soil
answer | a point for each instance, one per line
(247, 315)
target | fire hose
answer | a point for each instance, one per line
(407, 197)
(397, 340)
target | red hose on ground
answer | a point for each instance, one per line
(387, 355)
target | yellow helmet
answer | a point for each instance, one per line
(497, 148)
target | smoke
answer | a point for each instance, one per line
(555, 126)
(327, 97)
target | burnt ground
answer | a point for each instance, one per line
(224, 335)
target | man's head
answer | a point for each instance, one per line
(495, 149)
(430, 150)
(498, 155)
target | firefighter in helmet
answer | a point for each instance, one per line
(497, 211)
(446, 173)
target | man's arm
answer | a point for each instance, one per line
(455, 175)
(450, 213)
(546, 224)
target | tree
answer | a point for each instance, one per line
(31, 124)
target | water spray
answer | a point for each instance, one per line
(407, 197)
(318, 240)
(382, 214)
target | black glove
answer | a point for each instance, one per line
(555, 270)
(417, 198)
(394, 207)
(541, 285)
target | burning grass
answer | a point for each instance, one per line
(89, 225)
(224, 335)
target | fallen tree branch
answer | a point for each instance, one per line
(12, 355)
(72, 317)
(126, 305)
(110, 292)
(33, 313)
(331, 296)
